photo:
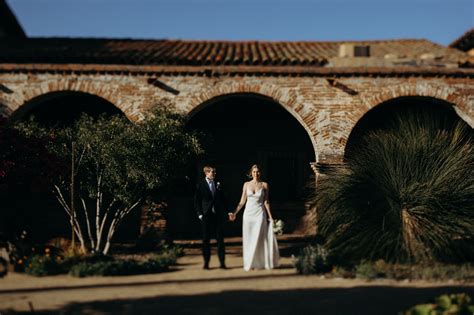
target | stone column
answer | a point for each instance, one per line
(322, 171)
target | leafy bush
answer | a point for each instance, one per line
(452, 304)
(313, 260)
(43, 261)
(172, 250)
(406, 196)
(122, 267)
(3, 267)
(48, 260)
(381, 269)
(366, 270)
(117, 163)
(43, 265)
(463, 272)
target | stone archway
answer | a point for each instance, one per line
(378, 117)
(4, 110)
(64, 107)
(459, 102)
(31, 93)
(244, 129)
(59, 109)
(285, 97)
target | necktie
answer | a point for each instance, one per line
(212, 187)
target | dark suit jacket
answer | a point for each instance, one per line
(204, 201)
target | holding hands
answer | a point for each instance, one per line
(232, 216)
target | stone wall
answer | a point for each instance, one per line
(327, 107)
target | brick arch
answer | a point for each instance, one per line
(445, 93)
(287, 99)
(446, 97)
(5, 109)
(71, 85)
(369, 100)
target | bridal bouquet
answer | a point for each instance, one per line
(278, 227)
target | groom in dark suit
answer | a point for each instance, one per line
(211, 207)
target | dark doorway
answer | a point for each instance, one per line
(63, 108)
(242, 130)
(382, 116)
(38, 211)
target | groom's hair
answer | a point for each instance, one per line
(208, 168)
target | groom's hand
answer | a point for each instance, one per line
(231, 216)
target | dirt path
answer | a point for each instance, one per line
(188, 289)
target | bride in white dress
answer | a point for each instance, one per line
(260, 248)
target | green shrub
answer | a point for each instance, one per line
(313, 260)
(43, 265)
(366, 270)
(157, 264)
(439, 272)
(48, 261)
(463, 272)
(405, 196)
(172, 250)
(446, 304)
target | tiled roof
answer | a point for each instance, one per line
(465, 42)
(215, 53)
(9, 25)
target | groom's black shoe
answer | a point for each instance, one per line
(223, 266)
(206, 266)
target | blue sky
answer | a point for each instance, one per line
(441, 21)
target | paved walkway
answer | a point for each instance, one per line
(188, 289)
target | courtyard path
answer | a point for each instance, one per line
(187, 289)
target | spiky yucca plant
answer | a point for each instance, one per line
(407, 194)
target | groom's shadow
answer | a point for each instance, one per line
(282, 266)
(227, 268)
(285, 266)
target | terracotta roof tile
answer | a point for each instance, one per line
(304, 71)
(9, 25)
(214, 53)
(465, 42)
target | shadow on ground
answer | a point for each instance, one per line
(197, 281)
(358, 300)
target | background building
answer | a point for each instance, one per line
(296, 108)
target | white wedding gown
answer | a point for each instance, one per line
(259, 242)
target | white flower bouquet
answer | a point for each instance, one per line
(278, 227)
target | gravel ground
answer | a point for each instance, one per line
(188, 289)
